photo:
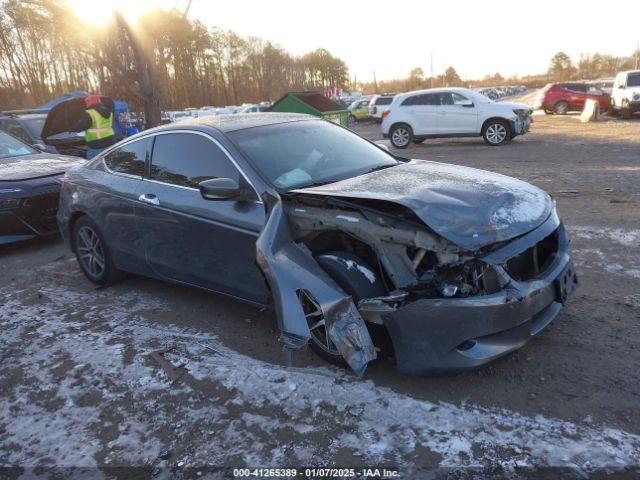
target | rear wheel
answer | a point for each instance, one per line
(401, 136)
(624, 111)
(496, 132)
(548, 111)
(93, 254)
(561, 108)
(357, 279)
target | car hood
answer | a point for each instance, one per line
(513, 105)
(469, 207)
(24, 167)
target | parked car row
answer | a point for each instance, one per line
(497, 93)
(170, 116)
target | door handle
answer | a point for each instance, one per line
(149, 198)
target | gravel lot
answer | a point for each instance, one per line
(81, 385)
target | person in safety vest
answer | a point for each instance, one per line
(98, 126)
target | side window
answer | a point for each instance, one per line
(580, 88)
(12, 127)
(446, 98)
(458, 99)
(130, 158)
(423, 99)
(186, 159)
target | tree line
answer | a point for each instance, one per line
(597, 65)
(163, 61)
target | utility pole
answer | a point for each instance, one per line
(375, 82)
(431, 78)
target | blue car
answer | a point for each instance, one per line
(349, 244)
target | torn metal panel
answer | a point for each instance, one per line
(289, 267)
(389, 243)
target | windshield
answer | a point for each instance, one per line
(299, 154)
(34, 125)
(12, 147)
(633, 80)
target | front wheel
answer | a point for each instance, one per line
(355, 278)
(561, 108)
(401, 136)
(93, 254)
(496, 132)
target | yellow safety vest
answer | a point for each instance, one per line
(100, 127)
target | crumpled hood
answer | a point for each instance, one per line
(24, 167)
(469, 207)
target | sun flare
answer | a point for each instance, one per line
(94, 11)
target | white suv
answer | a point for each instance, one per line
(625, 96)
(452, 112)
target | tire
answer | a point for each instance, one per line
(496, 132)
(548, 112)
(625, 113)
(401, 135)
(93, 254)
(352, 120)
(561, 108)
(354, 276)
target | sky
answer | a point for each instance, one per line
(393, 37)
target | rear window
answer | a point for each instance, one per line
(633, 80)
(384, 101)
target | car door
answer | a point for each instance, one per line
(115, 198)
(578, 95)
(361, 111)
(457, 114)
(188, 239)
(421, 109)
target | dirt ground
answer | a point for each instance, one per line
(81, 386)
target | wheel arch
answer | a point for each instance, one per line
(486, 123)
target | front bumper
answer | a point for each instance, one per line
(520, 126)
(31, 213)
(450, 335)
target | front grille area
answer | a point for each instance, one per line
(39, 211)
(530, 263)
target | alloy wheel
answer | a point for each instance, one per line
(561, 108)
(496, 133)
(400, 137)
(90, 251)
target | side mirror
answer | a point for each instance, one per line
(220, 189)
(466, 103)
(382, 146)
(40, 147)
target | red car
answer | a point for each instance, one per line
(560, 98)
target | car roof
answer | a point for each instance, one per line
(239, 121)
(436, 90)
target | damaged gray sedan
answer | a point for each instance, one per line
(349, 244)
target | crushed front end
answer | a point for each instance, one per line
(448, 309)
